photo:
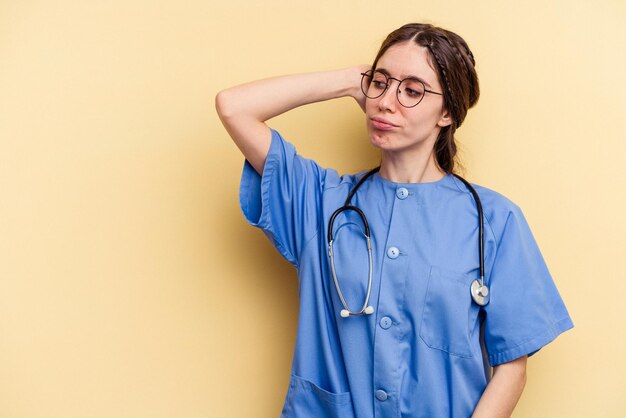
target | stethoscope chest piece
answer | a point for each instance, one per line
(480, 292)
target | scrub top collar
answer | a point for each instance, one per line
(446, 180)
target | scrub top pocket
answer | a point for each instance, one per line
(449, 314)
(305, 399)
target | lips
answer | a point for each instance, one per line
(382, 124)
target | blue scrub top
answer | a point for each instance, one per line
(426, 349)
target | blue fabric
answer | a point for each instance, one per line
(430, 361)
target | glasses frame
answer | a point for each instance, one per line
(370, 74)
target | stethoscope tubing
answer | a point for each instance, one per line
(481, 227)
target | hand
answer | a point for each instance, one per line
(357, 92)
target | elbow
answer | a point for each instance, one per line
(223, 105)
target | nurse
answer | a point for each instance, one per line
(424, 348)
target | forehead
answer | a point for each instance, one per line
(408, 59)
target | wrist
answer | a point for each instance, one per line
(354, 76)
(348, 80)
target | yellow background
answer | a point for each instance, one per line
(130, 284)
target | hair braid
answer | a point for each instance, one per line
(464, 55)
(446, 82)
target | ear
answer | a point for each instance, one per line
(445, 120)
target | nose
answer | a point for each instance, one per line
(388, 100)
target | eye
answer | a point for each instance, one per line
(412, 93)
(379, 81)
(379, 84)
(412, 88)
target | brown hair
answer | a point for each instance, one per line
(455, 66)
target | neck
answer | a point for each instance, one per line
(402, 168)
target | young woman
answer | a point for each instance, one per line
(411, 287)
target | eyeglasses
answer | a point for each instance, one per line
(410, 91)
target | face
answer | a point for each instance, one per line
(395, 128)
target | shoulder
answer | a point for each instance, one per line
(498, 209)
(495, 201)
(491, 200)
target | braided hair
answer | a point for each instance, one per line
(454, 64)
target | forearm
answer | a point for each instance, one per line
(503, 391)
(264, 99)
(244, 109)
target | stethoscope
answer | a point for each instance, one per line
(478, 290)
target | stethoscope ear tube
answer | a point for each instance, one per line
(365, 309)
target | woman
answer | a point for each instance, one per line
(414, 333)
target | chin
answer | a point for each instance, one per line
(381, 140)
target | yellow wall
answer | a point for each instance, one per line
(130, 284)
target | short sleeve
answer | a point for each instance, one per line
(525, 311)
(284, 202)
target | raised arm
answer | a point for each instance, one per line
(244, 109)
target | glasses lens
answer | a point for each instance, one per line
(410, 92)
(373, 84)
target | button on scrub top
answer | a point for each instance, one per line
(421, 353)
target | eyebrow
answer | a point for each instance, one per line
(413, 77)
